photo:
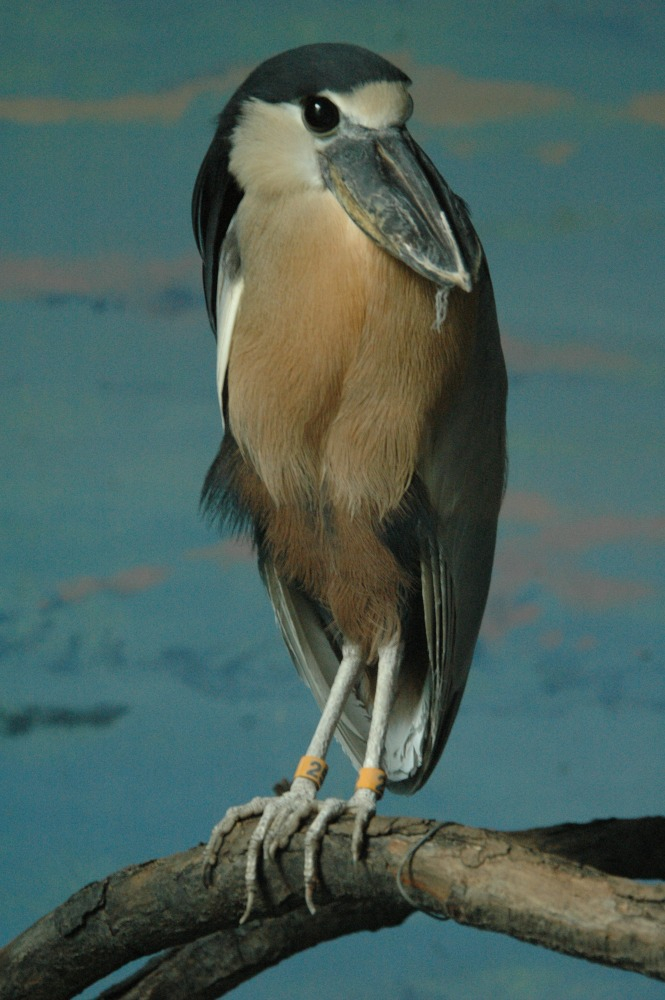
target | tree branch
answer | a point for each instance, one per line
(529, 884)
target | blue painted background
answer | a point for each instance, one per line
(143, 686)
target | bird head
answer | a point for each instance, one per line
(332, 117)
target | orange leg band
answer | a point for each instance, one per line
(373, 778)
(314, 768)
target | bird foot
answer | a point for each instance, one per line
(280, 818)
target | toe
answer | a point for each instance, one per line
(287, 813)
(222, 829)
(283, 827)
(363, 805)
(329, 810)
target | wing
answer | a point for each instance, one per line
(214, 203)
(463, 472)
(230, 285)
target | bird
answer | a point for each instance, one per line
(362, 391)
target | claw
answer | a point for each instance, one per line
(249, 906)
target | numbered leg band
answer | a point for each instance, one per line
(313, 768)
(373, 778)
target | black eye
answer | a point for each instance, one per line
(320, 114)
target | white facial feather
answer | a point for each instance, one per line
(275, 153)
(272, 151)
(374, 105)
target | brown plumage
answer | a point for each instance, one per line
(331, 403)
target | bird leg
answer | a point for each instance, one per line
(371, 779)
(281, 816)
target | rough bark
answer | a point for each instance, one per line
(529, 884)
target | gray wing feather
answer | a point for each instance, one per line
(463, 470)
(230, 285)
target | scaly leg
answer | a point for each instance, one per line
(281, 816)
(369, 787)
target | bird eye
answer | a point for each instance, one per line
(320, 114)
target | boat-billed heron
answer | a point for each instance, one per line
(362, 390)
